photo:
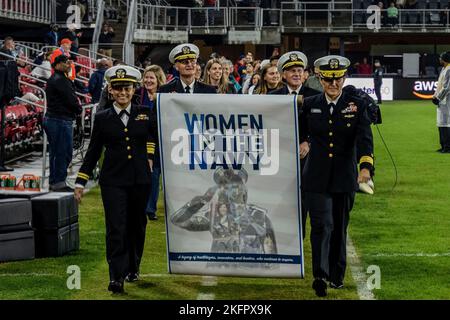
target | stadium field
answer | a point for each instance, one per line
(404, 231)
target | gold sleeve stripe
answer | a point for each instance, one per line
(366, 159)
(83, 176)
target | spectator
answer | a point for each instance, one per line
(227, 67)
(73, 36)
(105, 40)
(270, 80)
(215, 77)
(274, 60)
(364, 67)
(62, 108)
(198, 71)
(392, 15)
(313, 81)
(9, 48)
(80, 84)
(64, 49)
(152, 79)
(380, 5)
(254, 82)
(83, 5)
(96, 82)
(210, 4)
(44, 70)
(52, 37)
(378, 79)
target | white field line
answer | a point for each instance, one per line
(207, 281)
(31, 274)
(418, 254)
(358, 273)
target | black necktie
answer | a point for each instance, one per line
(331, 106)
(187, 89)
(122, 112)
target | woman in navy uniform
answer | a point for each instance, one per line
(184, 57)
(127, 132)
(337, 129)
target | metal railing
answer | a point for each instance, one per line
(98, 25)
(290, 16)
(128, 46)
(28, 10)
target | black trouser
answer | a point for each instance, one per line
(125, 227)
(378, 91)
(329, 214)
(444, 137)
(303, 200)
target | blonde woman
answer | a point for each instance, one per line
(270, 80)
(152, 79)
(215, 77)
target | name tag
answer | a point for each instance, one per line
(316, 110)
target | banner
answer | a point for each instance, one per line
(414, 89)
(231, 179)
(366, 84)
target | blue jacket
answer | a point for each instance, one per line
(96, 84)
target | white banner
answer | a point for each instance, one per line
(231, 180)
(366, 84)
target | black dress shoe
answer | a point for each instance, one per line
(320, 286)
(132, 277)
(336, 285)
(116, 286)
(439, 150)
(152, 216)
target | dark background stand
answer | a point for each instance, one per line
(2, 138)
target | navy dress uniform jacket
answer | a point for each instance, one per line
(176, 86)
(127, 149)
(338, 141)
(304, 91)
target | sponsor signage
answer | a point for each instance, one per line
(414, 89)
(366, 84)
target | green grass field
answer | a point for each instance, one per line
(405, 232)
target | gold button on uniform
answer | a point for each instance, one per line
(330, 121)
(128, 148)
(331, 133)
(126, 129)
(348, 124)
(330, 155)
(129, 156)
(126, 138)
(331, 145)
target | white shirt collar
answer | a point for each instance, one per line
(128, 108)
(191, 86)
(333, 101)
(291, 91)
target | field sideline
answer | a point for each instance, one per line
(405, 232)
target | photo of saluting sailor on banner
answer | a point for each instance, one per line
(231, 183)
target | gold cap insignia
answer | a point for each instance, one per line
(333, 63)
(121, 73)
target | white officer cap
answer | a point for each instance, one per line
(292, 58)
(183, 52)
(123, 75)
(332, 67)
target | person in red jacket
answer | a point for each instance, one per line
(64, 49)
